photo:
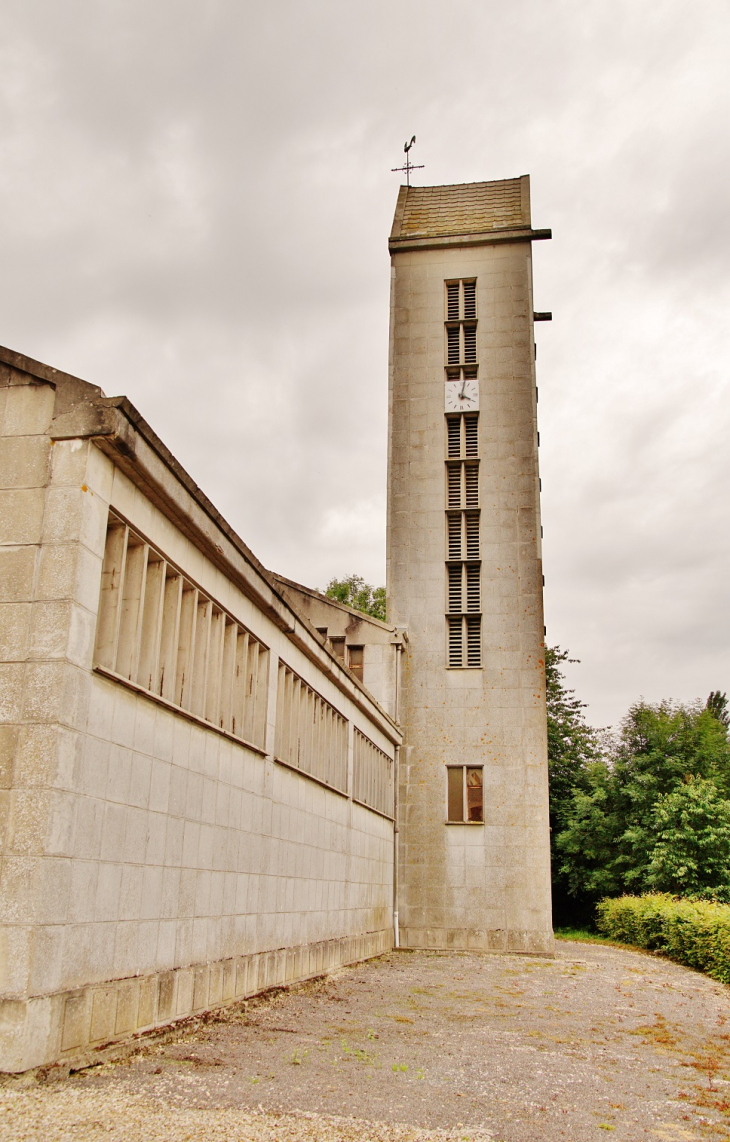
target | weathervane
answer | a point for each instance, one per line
(409, 166)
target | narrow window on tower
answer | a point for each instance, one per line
(453, 523)
(465, 794)
(452, 301)
(456, 641)
(461, 322)
(453, 428)
(453, 344)
(463, 549)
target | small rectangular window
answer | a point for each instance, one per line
(455, 793)
(465, 794)
(338, 646)
(355, 660)
(474, 793)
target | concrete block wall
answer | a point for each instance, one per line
(150, 866)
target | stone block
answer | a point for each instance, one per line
(28, 409)
(147, 997)
(100, 473)
(15, 938)
(17, 566)
(127, 1006)
(166, 995)
(184, 991)
(228, 982)
(75, 1031)
(8, 745)
(215, 983)
(11, 691)
(103, 1014)
(24, 461)
(21, 515)
(200, 987)
(69, 462)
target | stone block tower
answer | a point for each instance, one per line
(464, 570)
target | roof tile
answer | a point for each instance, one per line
(463, 208)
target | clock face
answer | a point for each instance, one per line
(461, 396)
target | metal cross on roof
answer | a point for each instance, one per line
(409, 166)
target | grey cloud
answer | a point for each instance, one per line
(194, 206)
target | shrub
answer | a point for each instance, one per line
(692, 932)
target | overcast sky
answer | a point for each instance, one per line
(195, 199)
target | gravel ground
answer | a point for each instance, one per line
(419, 1046)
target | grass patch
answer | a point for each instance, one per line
(584, 936)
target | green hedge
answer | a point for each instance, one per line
(692, 932)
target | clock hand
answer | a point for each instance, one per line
(461, 394)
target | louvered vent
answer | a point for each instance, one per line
(454, 525)
(453, 430)
(454, 479)
(472, 485)
(455, 591)
(471, 422)
(463, 567)
(455, 650)
(159, 631)
(473, 591)
(470, 343)
(470, 299)
(472, 537)
(452, 301)
(452, 339)
(474, 640)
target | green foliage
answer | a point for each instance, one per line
(610, 833)
(353, 591)
(572, 746)
(692, 932)
(692, 854)
(717, 705)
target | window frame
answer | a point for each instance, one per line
(463, 768)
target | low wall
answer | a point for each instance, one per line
(69, 1027)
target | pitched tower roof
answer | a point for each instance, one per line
(471, 212)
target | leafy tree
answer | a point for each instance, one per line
(572, 743)
(572, 746)
(608, 841)
(355, 592)
(691, 856)
(717, 705)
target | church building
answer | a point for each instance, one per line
(215, 780)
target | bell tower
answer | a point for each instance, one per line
(464, 570)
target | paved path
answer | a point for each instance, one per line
(596, 1040)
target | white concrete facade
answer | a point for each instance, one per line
(152, 864)
(486, 884)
